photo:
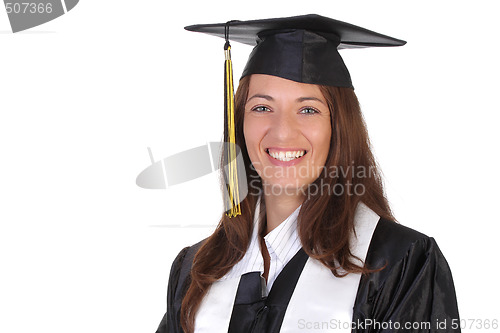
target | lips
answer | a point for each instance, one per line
(286, 154)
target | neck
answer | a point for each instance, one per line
(279, 207)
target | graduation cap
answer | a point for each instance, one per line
(299, 48)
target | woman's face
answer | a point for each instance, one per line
(287, 131)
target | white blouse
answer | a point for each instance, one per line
(320, 302)
(282, 244)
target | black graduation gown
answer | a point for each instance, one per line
(415, 288)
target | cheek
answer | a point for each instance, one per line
(252, 133)
(322, 137)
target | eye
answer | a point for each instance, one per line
(309, 110)
(261, 108)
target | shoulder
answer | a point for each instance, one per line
(179, 278)
(181, 266)
(388, 229)
(391, 242)
(178, 282)
(185, 256)
(380, 242)
(412, 280)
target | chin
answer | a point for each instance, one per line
(286, 186)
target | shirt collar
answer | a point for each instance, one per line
(283, 240)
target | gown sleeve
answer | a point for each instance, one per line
(415, 290)
(171, 320)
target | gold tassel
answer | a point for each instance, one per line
(233, 201)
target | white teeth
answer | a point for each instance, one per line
(287, 156)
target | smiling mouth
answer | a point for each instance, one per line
(285, 156)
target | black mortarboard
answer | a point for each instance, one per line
(299, 48)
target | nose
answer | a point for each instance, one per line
(285, 126)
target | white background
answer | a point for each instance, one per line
(83, 249)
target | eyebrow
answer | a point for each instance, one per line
(300, 99)
(266, 97)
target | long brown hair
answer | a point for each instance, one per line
(326, 218)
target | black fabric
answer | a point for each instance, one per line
(178, 283)
(299, 48)
(301, 56)
(253, 313)
(247, 32)
(415, 286)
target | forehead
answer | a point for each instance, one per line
(278, 87)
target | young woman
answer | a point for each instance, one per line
(315, 248)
